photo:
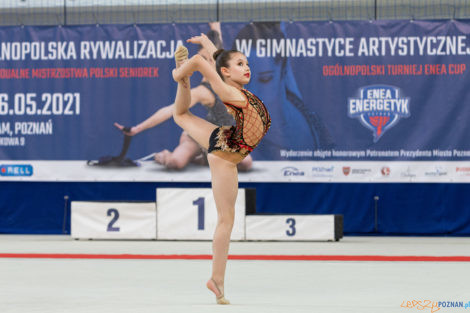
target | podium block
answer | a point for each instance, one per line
(113, 220)
(191, 214)
(294, 227)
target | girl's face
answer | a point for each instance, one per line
(238, 69)
(268, 81)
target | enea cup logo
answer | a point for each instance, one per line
(379, 108)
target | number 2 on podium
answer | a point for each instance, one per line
(114, 212)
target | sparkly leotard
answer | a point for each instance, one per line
(252, 123)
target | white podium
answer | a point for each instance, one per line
(191, 214)
(113, 220)
(294, 227)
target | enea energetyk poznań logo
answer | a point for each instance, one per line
(379, 108)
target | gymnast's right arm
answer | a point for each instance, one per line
(206, 43)
(225, 92)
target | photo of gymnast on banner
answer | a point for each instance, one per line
(347, 100)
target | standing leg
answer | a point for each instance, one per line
(224, 182)
(225, 188)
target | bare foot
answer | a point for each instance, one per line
(181, 55)
(219, 294)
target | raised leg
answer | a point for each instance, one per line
(198, 128)
(225, 188)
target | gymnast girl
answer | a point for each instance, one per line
(188, 150)
(227, 145)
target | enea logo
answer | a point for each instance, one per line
(16, 170)
(379, 108)
(292, 171)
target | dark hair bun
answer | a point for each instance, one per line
(217, 53)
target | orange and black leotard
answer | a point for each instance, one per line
(252, 123)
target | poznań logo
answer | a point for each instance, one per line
(379, 108)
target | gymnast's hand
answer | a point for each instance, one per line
(177, 75)
(129, 131)
(181, 75)
(204, 41)
(199, 40)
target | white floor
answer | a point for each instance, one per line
(83, 285)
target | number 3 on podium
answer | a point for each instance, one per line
(291, 231)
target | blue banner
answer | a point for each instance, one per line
(380, 92)
(383, 90)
